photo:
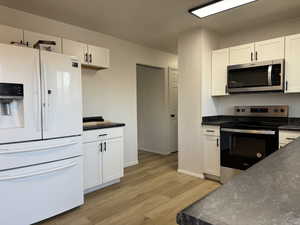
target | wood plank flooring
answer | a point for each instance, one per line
(151, 193)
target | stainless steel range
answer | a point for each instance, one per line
(251, 137)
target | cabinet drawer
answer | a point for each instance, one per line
(211, 130)
(97, 135)
(288, 136)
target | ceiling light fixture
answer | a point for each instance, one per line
(217, 6)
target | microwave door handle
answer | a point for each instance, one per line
(270, 69)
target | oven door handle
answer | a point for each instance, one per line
(265, 132)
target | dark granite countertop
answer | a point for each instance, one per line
(216, 120)
(97, 122)
(102, 126)
(266, 194)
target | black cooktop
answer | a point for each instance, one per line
(255, 123)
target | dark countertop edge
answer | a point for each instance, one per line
(183, 219)
(103, 126)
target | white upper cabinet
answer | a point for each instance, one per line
(76, 49)
(31, 38)
(89, 55)
(241, 54)
(257, 52)
(269, 50)
(292, 70)
(98, 57)
(220, 61)
(10, 34)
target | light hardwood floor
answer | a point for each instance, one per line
(151, 193)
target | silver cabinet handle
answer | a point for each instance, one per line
(218, 142)
(256, 56)
(286, 85)
(251, 56)
(105, 146)
(91, 58)
(102, 135)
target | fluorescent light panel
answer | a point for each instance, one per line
(217, 7)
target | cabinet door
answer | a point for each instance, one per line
(112, 160)
(269, 50)
(212, 164)
(10, 34)
(220, 61)
(32, 38)
(98, 57)
(92, 165)
(292, 69)
(76, 49)
(241, 54)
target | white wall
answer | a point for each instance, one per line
(153, 130)
(210, 41)
(194, 63)
(112, 92)
(264, 32)
(283, 28)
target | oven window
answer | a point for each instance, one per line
(248, 77)
(248, 147)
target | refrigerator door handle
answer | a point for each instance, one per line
(38, 173)
(9, 151)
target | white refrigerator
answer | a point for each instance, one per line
(41, 172)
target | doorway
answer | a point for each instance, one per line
(157, 108)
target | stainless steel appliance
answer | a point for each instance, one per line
(256, 77)
(252, 137)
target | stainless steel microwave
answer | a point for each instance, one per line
(265, 76)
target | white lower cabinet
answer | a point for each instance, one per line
(103, 157)
(92, 165)
(211, 144)
(286, 137)
(112, 160)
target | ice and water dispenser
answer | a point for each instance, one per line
(11, 105)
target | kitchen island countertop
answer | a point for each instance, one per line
(266, 194)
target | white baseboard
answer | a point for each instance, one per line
(153, 151)
(101, 186)
(133, 163)
(200, 175)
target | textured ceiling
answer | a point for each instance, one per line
(154, 23)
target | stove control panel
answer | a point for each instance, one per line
(263, 111)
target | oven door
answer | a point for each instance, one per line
(256, 77)
(240, 149)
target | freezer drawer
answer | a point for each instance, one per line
(32, 194)
(37, 152)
